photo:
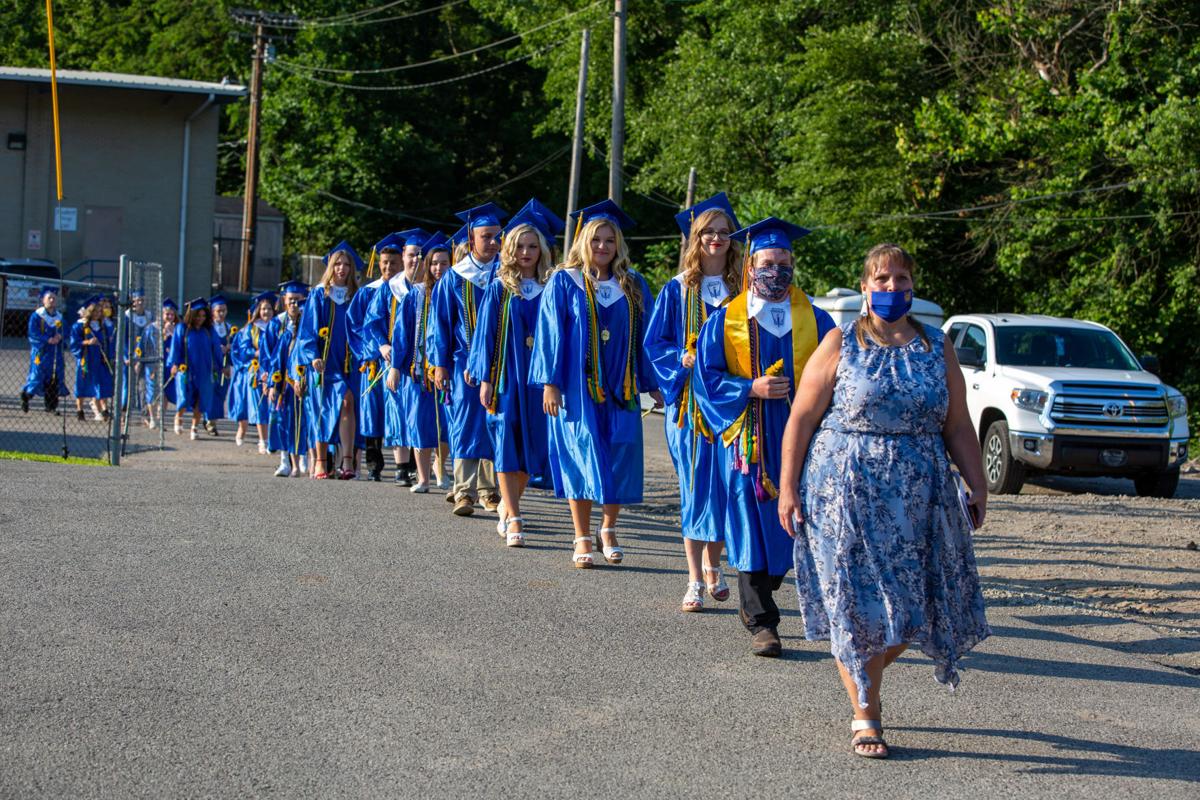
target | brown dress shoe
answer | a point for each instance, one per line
(490, 502)
(766, 644)
(464, 506)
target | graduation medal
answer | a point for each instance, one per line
(529, 342)
(605, 335)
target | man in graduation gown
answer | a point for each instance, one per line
(748, 361)
(46, 334)
(455, 304)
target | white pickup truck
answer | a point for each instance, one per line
(1066, 396)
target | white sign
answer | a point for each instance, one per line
(66, 219)
(34, 240)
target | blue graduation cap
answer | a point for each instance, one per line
(92, 300)
(268, 295)
(770, 233)
(606, 210)
(415, 237)
(459, 237)
(198, 304)
(438, 241)
(359, 265)
(294, 287)
(133, 293)
(48, 290)
(536, 214)
(218, 300)
(167, 303)
(395, 240)
(719, 201)
(481, 216)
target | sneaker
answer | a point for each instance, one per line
(284, 471)
(210, 426)
(25, 401)
(450, 498)
(464, 506)
(178, 428)
(404, 477)
(193, 436)
(445, 484)
(79, 415)
(766, 644)
(420, 488)
(490, 501)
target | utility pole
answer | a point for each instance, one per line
(577, 141)
(250, 196)
(689, 201)
(617, 146)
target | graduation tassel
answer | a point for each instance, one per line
(371, 263)
(595, 369)
(498, 370)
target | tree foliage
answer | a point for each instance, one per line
(1035, 155)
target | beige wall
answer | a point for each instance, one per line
(122, 160)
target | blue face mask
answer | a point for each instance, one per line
(891, 306)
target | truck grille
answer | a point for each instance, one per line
(1110, 405)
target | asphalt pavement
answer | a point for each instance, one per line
(189, 626)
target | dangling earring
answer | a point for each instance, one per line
(864, 311)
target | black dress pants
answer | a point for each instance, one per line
(757, 606)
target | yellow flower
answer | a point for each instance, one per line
(233, 329)
(58, 323)
(323, 332)
(137, 351)
(300, 370)
(276, 377)
(183, 367)
(362, 368)
(254, 365)
(37, 360)
(775, 369)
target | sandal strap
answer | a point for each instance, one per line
(583, 539)
(866, 725)
(865, 740)
(711, 569)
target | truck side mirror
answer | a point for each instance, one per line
(1149, 363)
(969, 358)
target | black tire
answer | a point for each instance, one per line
(1157, 484)
(1004, 474)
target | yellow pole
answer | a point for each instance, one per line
(54, 99)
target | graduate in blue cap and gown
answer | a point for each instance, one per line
(47, 346)
(288, 429)
(410, 375)
(95, 351)
(501, 353)
(137, 320)
(194, 358)
(750, 355)
(455, 311)
(367, 359)
(155, 348)
(256, 345)
(223, 332)
(709, 274)
(324, 350)
(589, 357)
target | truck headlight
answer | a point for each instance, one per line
(1030, 399)
(1176, 405)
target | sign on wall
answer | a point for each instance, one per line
(66, 219)
(34, 240)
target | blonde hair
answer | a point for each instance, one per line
(460, 251)
(327, 277)
(690, 265)
(509, 273)
(877, 257)
(580, 258)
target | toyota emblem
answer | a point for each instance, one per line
(1113, 410)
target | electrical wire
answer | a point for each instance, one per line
(361, 17)
(413, 86)
(382, 70)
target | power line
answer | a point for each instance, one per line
(360, 17)
(451, 57)
(538, 167)
(356, 204)
(414, 86)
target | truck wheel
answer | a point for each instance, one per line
(1004, 474)
(1157, 484)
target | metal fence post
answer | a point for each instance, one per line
(114, 436)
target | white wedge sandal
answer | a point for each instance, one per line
(513, 538)
(613, 555)
(582, 560)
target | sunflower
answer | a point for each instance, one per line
(323, 333)
(276, 377)
(183, 367)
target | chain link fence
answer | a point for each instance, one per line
(75, 384)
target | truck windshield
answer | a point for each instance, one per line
(1083, 348)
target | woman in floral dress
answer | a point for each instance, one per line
(883, 550)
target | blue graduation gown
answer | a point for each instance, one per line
(518, 429)
(288, 429)
(338, 382)
(45, 360)
(419, 427)
(93, 362)
(449, 346)
(239, 377)
(754, 540)
(134, 349)
(595, 448)
(379, 329)
(367, 358)
(199, 351)
(258, 343)
(168, 385)
(224, 336)
(699, 463)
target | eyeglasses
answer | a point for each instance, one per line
(780, 267)
(710, 234)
